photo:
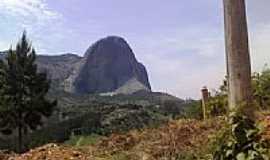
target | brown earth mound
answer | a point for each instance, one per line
(170, 139)
(51, 152)
(149, 144)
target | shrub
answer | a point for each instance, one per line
(78, 141)
(193, 110)
(242, 141)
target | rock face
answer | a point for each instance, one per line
(58, 67)
(108, 65)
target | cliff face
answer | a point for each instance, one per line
(108, 66)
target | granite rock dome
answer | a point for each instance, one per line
(107, 66)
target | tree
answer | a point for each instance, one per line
(238, 58)
(23, 92)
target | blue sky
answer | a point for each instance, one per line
(179, 41)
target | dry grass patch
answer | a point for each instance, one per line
(169, 140)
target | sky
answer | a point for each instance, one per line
(181, 42)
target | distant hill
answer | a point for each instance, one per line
(108, 66)
(107, 90)
(108, 72)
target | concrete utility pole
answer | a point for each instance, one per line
(238, 58)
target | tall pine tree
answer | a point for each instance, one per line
(22, 92)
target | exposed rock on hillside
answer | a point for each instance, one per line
(108, 65)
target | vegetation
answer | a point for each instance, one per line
(88, 120)
(193, 110)
(242, 137)
(231, 131)
(23, 92)
(218, 102)
(79, 141)
(177, 139)
(242, 140)
(261, 88)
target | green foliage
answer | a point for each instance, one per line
(78, 141)
(193, 110)
(171, 108)
(97, 120)
(22, 91)
(217, 104)
(261, 88)
(242, 141)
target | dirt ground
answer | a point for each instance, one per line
(146, 144)
(171, 138)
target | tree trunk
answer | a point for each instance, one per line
(20, 134)
(238, 58)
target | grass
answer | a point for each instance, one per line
(174, 140)
(79, 141)
(183, 139)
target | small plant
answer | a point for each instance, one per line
(78, 141)
(242, 141)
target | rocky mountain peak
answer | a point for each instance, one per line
(108, 65)
(113, 43)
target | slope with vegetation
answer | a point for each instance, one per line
(175, 139)
(184, 139)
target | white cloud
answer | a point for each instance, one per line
(34, 16)
(36, 9)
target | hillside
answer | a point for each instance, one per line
(107, 73)
(105, 91)
(184, 139)
(174, 139)
(108, 66)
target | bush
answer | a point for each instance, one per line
(261, 88)
(242, 141)
(193, 110)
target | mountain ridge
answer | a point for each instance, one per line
(106, 66)
(133, 86)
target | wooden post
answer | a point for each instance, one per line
(205, 98)
(237, 54)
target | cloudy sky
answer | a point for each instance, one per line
(179, 41)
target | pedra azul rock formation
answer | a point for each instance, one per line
(108, 67)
